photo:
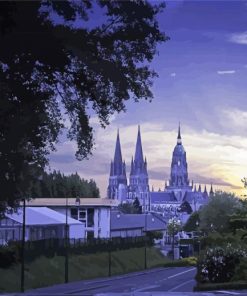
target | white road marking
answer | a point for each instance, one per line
(169, 277)
(178, 274)
(146, 288)
(229, 292)
(179, 286)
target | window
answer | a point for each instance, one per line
(74, 213)
(90, 219)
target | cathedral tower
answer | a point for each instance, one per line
(139, 186)
(179, 182)
(117, 173)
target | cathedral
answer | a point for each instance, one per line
(179, 193)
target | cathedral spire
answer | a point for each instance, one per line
(118, 157)
(138, 152)
(132, 166)
(211, 192)
(111, 171)
(179, 140)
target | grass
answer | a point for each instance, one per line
(49, 271)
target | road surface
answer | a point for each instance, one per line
(156, 282)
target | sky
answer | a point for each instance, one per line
(202, 83)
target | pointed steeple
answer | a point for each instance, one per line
(138, 152)
(124, 168)
(111, 171)
(179, 139)
(205, 193)
(118, 153)
(211, 192)
(118, 157)
(132, 166)
(199, 188)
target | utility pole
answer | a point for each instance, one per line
(145, 249)
(173, 245)
(23, 247)
(66, 262)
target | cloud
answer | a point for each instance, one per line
(211, 156)
(173, 74)
(223, 72)
(239, 38)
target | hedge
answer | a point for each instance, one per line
(221, 286)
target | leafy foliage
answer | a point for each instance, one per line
(191, 224)
(55, 185)
(173, 226)
(130, 208)
(56, 65)
(185, 207)
(215, 216)
(218, 264)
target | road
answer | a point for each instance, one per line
(156, 282)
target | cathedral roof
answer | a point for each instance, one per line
(162, 197)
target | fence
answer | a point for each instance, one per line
(52, 247)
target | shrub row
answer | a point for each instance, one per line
(218, 265)
(49, 248)
(239, 285)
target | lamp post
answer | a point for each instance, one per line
(173, 236)
(66, 262)
(23, 247)
(145, 248)
(199, 247)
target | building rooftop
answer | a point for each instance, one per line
(162, 197)
(41, 216)
(96, 202)
(150, 221)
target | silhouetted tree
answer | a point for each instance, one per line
(136, 205)
(55, 185)
(56, 63)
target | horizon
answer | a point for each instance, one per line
(202, 83)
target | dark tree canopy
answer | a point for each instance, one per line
(131, 208)
(57, 185)
(55, 64)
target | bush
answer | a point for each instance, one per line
(8, 256)
(221, 286)
(240, 272)
(189, 261)
(217, 265)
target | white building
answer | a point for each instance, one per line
(94, 213)
(41, 223)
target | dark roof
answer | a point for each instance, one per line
(162, 197)
(198, 196)
(133, 221)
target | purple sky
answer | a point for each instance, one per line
(202, 83)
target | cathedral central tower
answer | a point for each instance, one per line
(179, 168)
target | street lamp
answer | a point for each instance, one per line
(66, 263)
(23, 246)
(78, 203)
(145, 249)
